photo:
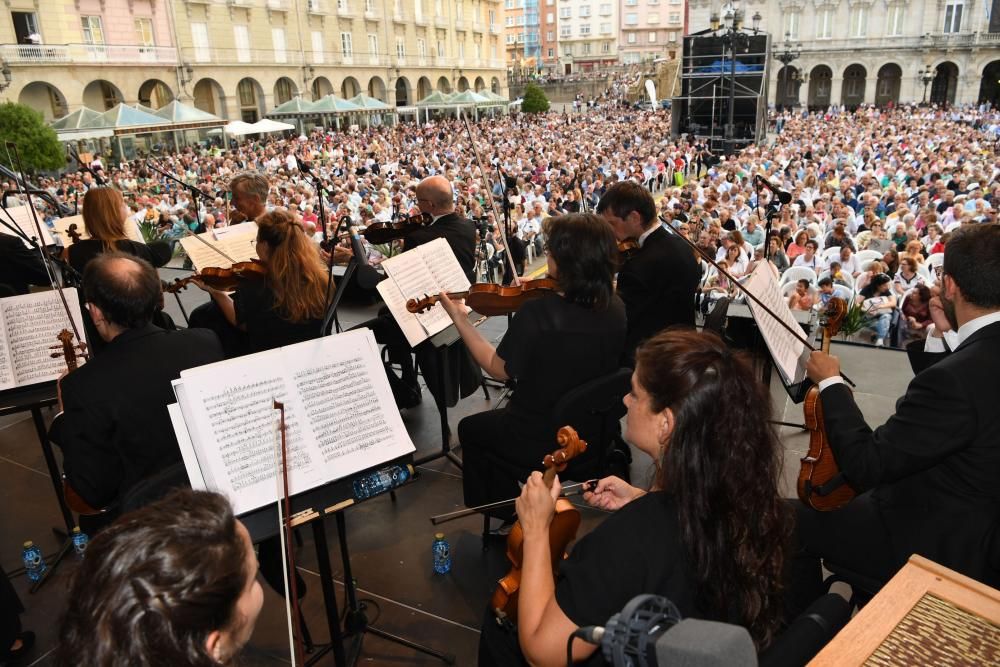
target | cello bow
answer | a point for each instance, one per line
(287, 555)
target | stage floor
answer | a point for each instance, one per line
(390, 542)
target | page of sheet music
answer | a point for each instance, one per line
(62, 226)
(407, 321)
(339, 412)
(789, 353)
(236, 241)
(22, 219)
(414, 279)
(444, 266)
(347, 401)
(31, 323)
(188, 455)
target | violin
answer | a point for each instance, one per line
(491, 299)
(222, 279)
(562, 531)
(68, 352)
(384, 232)
(627, 249)
(821, 485)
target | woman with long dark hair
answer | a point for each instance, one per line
(286, 306)
(710, 533)
(553, 344)
(174, 583)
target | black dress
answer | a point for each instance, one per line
(266, 328)
(551, 346)
(637, 550)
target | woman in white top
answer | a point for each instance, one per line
(809, 257)
(907, 277)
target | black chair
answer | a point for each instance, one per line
(594, 409)
(716, 320)
(808, 633)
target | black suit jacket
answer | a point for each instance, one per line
(658, 285)
(20, 266)
(115, 430)
(934, 467)
(460, 235)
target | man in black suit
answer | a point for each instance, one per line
(659, 281)
(928, 477)
(19, 267)
(113, 428)
(435, 199)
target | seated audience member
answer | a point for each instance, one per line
(802, 298)
(915, 313)
(879, 305)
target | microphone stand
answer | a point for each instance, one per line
(338, 292)
(196, 194)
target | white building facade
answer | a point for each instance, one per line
(874, 51)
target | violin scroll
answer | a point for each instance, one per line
(570, 446)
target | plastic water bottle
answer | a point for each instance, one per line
(380, 482)
(442, 554)
(80, 541)
(34, 564)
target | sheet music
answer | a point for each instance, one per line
(425, 270)
(237, 241)
(22, 219)
(30, 325)
(789, 353)
(188, 455)
(339, 412)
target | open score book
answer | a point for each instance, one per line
(340, 418)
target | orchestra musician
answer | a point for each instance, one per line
(283, 306)
(113, 425)
(553, 344)
(250, 190)
(928, 476)
(436, 199)
(20, 266)
(173, 583)
(104, 218)
(659, 281)
(709, 534)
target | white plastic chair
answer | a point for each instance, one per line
(793, 274)
(848, 278)
(831, 253)
(925, 273)
(936, 259)
(867, 256)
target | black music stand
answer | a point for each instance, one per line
(33, 398)
(336, 497)
(441, 342)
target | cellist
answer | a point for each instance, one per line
(709, 533)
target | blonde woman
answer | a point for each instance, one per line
(104, 218)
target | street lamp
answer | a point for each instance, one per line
(926, 75)
(791, 53)
(734, 38)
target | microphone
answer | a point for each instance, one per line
(304, 167)
(649, 632)
(782, 196)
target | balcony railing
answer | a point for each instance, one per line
(931, 40)
(494, 29)
(441, 21)
(371, 15)
(88, 53)
(317, 7)
(477, 26)
(279, 5)
(345, 11)
(242, 56)
(460, 25)
(421, 19)
(399, 17)
(440, 61)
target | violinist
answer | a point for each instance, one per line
(104, 218)
(436, 199)
(285, 304)
(659, 282)
(710, 452)
(553, 344)
(250, 190)
(927, 477)
(113, 425)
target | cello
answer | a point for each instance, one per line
(821, 485)
(562, 530)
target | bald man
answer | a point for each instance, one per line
(436, 199)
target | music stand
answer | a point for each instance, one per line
(33, 398)
(335, 497)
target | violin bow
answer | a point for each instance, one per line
(287, 555)
(489, 193)
(750, 295)
(46, 259)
